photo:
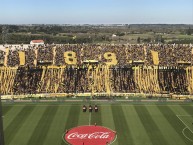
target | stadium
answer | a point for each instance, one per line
(83, 94)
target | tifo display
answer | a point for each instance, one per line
(93, 68)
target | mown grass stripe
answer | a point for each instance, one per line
(168, 132)
(107, 116)
(57, 128)
(6, 109)
(73, 118)
(186, 118)
(174, 121)
(138, 131)
(121, 126)
(42, 128)
(26, 130)
(188, 109)
(107, 119)
(16, 123)
(85, 117)
(9, 117)
(150, 126)
(96, 117)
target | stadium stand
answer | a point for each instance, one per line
(97, 68)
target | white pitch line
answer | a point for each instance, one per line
(114, 139)
(185, 134)
(89, 118)
(184, 123)
(184, 115)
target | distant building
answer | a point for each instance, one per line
(37, 42)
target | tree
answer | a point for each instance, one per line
(147, 40)
(189, 31)
(138, 40)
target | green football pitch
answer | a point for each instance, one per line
(135, 124)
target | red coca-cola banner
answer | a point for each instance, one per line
(90, 135)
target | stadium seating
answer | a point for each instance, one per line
(97, 68)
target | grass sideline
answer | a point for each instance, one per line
(40, 123)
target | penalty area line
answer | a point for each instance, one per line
(185, 134)
(184, 115)
(186, 127)
(184, 123)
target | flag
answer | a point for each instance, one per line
(6, 56)
(155, 57)
(21, 58)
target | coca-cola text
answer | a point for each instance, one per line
(94, 135)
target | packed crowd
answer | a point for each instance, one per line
(169, 55)
(121, 80)
(2, 53)
(33, 79)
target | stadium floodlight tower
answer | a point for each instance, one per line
(1, 125)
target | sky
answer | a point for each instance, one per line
(96, 12)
